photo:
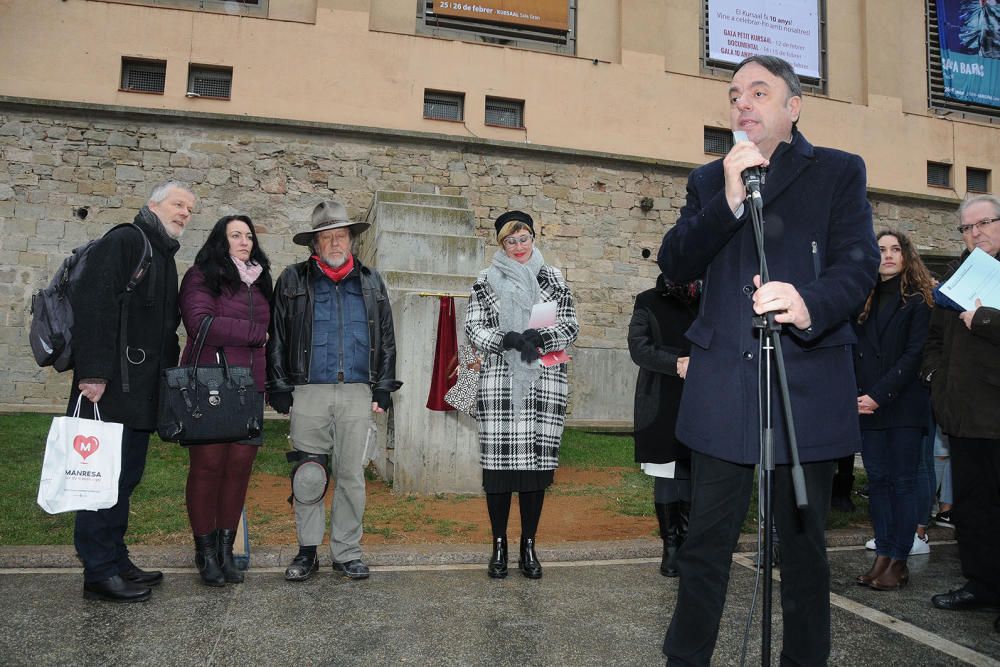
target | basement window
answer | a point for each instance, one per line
(939, 175)
(440, 105)
(210, 81)
(977, 180)
(502, 112)
(718, 142)
(143, 76)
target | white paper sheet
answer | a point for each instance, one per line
(977, 278)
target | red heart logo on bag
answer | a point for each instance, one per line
(85, 445)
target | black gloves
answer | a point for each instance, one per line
(526, 343)
(529, 353)
(532, 337)
(513, 340)
(281, 401)
(381, 396)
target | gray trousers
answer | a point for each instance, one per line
(333, 419)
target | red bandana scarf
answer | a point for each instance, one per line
(336, 275)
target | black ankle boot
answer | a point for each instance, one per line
(498, 561)
(668, 515)
(230, 572)
(528, 562)
(206, 557)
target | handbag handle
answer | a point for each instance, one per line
(199, 344)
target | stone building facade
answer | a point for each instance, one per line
(68, 173)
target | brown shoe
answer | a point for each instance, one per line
(892, 579)
(878, 567)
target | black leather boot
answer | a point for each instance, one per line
(668, 515)
(230, 572)
(528, 562)
(206, 557)
(498, 561)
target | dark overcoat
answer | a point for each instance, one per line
(152, 322)
(818, 237)
(240, 325)
(887, 363)
(655, 341)
(963, 367)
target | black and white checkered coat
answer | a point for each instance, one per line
(530, 439)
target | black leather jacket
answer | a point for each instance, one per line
(290, 344)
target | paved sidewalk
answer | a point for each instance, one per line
(428, 606)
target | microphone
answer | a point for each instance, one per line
(753, 178)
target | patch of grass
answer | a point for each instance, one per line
(448, 527)
(596, 450)
(157, 510)
(634, 496)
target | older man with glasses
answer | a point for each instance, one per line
(962, 366)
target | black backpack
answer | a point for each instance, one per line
(50, 334)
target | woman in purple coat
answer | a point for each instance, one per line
(230, 281)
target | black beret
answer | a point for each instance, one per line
(520, 216)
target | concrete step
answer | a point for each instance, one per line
(407, 217)
(415, 281)
(446, 201)
(416, 252)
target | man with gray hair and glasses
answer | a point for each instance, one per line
(962, 366)
(121, 348)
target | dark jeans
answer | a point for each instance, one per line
(100, 536)
(975, 471)
(926, 478)
(891, 457)
(719, 503)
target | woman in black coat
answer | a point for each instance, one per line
(657, 345)
(893, 405)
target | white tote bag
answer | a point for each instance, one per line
(83, 461)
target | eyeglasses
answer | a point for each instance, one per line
(965, 229)
(510, 241)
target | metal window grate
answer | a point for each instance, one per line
(210, 81)
(977, 180)
(718, 142)
(505, 113)
(938, 174)
(444, 106)
(143, 76)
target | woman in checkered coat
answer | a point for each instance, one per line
(521, 405)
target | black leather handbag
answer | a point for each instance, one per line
(212, 403)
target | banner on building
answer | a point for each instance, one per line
(789, 29)
(545, 14)
(969, 35)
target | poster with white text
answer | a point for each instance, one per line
(969, 31)
(789, 29)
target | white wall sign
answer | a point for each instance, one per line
(789, 29)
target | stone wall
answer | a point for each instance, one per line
(68, 175)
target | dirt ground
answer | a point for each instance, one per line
(572, 512)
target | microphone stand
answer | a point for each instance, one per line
(771, 344)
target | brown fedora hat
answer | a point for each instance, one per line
(328, 215)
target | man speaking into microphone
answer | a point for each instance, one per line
(823, 261)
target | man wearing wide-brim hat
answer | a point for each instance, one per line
(331, 364)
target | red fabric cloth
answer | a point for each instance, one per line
(336, 275)
(445, 372)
